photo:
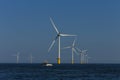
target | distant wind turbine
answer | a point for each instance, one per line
(17, 57)
(84, 52)
(73, 50)
(87, 58)
(31, 59)
(58, 36)
(82, 55)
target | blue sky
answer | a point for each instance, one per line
(25, 27)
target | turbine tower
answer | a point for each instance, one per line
(31, 59)
(73, 50)
(17, 57)
(58, 36)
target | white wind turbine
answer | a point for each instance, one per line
(73, 50)
(17, 57)
(58, 36)
(31, 59)
(87, 58)
(84, 52)
(82, 55)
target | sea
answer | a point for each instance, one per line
(60, 72)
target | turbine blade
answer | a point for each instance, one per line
(75, 51)
(73, 43)
(67, 47)
(52, 43)
(54, 25)
(84, 51)
(78, 49)
(67, 35)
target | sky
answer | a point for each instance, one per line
(25, 27)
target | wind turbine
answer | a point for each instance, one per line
(31, 58)
(58, 36)
(82, 55)
(73, 50)
(17, 57)
(84, 52)
(87, 58)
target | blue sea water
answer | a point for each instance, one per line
(60, 72)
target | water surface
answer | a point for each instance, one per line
(60, 72)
